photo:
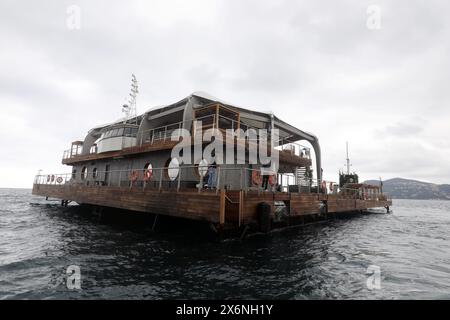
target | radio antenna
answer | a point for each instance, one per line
(348, 161)
(130, 109)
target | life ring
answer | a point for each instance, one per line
(59, 180)
(134, 176)
(52, 178)
(324, 186)
(48, 178)
(273, 180)
(148, 173)
(256, 177)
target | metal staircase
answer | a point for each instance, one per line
(300, 176)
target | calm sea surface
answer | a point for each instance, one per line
(39, 240)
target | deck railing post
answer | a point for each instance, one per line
(144, 182)
(179, 180)
(218, 180)
(241, 206)
(222, 208)
(120, 179)
(160, 179)
(242, 176)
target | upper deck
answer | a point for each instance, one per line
(153, 131)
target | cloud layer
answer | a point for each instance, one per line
(314, 64)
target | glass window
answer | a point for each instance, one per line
(94, 173)
(84, 173)
(127, 132)
(120, 132)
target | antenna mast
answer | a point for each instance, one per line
(348, 161)
(130, 108)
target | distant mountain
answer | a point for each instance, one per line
(400, 188)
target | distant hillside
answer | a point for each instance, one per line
(400, 188)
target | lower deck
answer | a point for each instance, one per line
(221, 208)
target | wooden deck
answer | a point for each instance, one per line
(234, 208)
(161, 145)
(286, 158)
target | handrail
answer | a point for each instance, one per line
(164, 133)
(160, 179)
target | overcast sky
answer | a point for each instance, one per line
(337, 69)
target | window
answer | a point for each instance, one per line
(84, 173)
(74, 173)
(93, 149)
(94, 173)
(127, 132)
(120, 132)
(172, 168)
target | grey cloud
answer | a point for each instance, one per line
(315, 64)
(400, 130)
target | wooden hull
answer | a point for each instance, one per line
(230, 208)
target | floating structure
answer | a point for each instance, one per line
(130, 165)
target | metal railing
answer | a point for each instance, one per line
(167, 178)
(164, 133)
(67, 154)
(295, 149)
(183, 178)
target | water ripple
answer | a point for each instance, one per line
(327, 261)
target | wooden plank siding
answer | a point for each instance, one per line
(191, 205)
(148, 147)
(304, 204)
(230, 207)
(284, 157)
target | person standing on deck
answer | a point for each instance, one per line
(212, 176)
(265, 172)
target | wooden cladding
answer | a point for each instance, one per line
(223, 207)
(191, 205)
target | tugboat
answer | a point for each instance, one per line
(204, 159)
